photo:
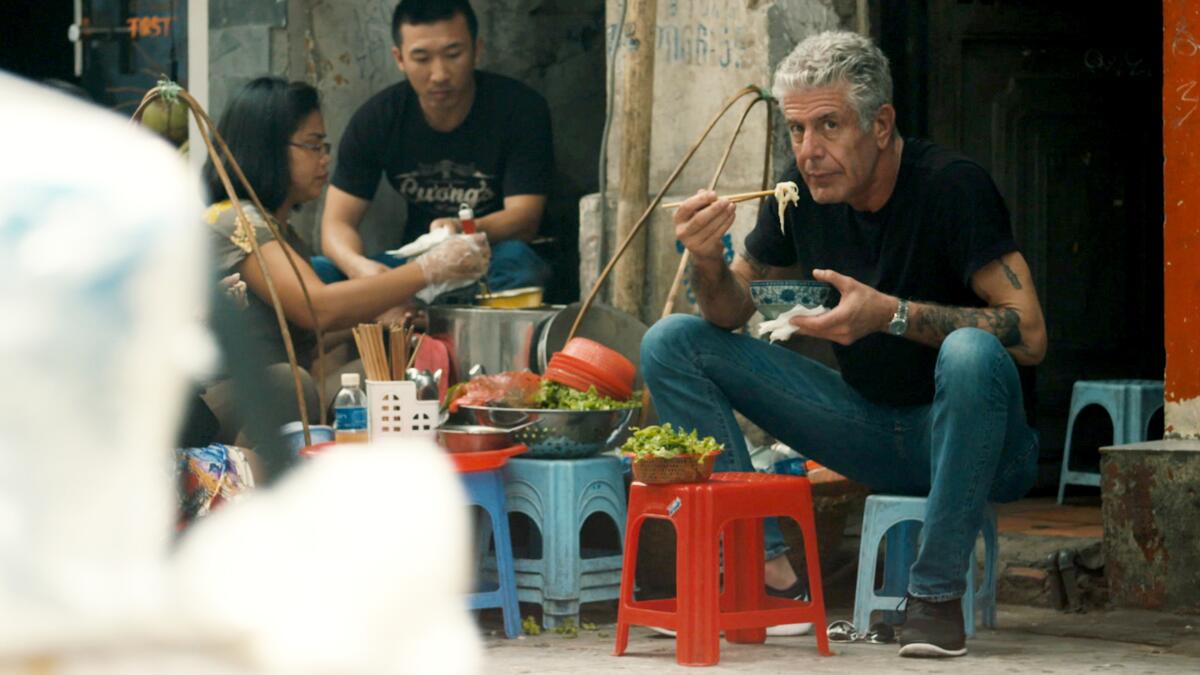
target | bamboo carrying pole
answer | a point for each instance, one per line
(208, 132)
(633, 166)
(760, 95)
(669, 305)
(595, 290)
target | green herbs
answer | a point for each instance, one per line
(664, 442)
(554, 396)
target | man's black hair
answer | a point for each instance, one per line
(257, 125)
(416, 12)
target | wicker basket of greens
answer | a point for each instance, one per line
(662, 454)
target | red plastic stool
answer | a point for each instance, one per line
(731, 505)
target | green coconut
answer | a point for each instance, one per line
(168, 119)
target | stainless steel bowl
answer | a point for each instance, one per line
(496, 339)
(473, 438)
(558, 434)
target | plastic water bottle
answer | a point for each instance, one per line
(788, 461)
(350, 411)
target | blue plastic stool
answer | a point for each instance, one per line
(558, 496)
(900, 519)
(1129, 403)
(486, 490)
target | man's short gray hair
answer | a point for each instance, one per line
(839, 57)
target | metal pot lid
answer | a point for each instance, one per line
(603, 323)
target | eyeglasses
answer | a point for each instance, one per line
(324, 148)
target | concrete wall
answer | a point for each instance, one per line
(343, 48)
(706, 50)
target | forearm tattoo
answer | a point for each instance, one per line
(1003, 322)
(1012, 276)
(760, 269)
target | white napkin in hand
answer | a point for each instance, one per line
(781, 327)
(422, 243)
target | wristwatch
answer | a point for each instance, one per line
(899, 323)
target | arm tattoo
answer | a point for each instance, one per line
(1012, 276)
(760, 269)
(1003, 322)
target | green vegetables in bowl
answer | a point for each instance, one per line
(554, 396)
(665, 442)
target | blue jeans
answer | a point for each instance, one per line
(514, 265)
(969, 447)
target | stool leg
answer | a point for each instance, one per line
(504, 563)
(1066, 460)
(698, 641)
(560, 555)
(901, 552)
(868, 556)
(633, 532)
(806, 519)
(744, 583)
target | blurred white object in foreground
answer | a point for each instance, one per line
(102, 288)
(355, 563)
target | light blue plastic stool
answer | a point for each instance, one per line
(486, 490)
(1129, 403)
(558, 496)
(899, 519)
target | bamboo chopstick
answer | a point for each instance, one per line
(742, 197)
(396, 351)
(369, 338)
(413, 359)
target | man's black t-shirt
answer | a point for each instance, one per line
(502, 148)
(944, 221)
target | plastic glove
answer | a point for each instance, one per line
(462, 257)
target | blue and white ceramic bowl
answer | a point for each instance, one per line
(775, 297)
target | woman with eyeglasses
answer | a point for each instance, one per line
(276, 132)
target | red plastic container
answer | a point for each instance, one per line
(606, 383)
(486, 460)
(576, 381)
(602, 358)
(315, 449)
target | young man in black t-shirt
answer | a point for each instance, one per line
(447, 135)
(937, 308)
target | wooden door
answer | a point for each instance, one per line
(1061, 102)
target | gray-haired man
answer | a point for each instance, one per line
(937, 308)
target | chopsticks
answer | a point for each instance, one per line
(398, 349)
(741, 197)
(369, 339)
(391, 363)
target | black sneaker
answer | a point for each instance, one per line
(933, 629)
(797, 591)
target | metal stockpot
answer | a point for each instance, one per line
(496, 339)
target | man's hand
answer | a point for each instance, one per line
(452, 224)
(700, 222)
(861, 311)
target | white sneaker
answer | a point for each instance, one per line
(797, 591)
